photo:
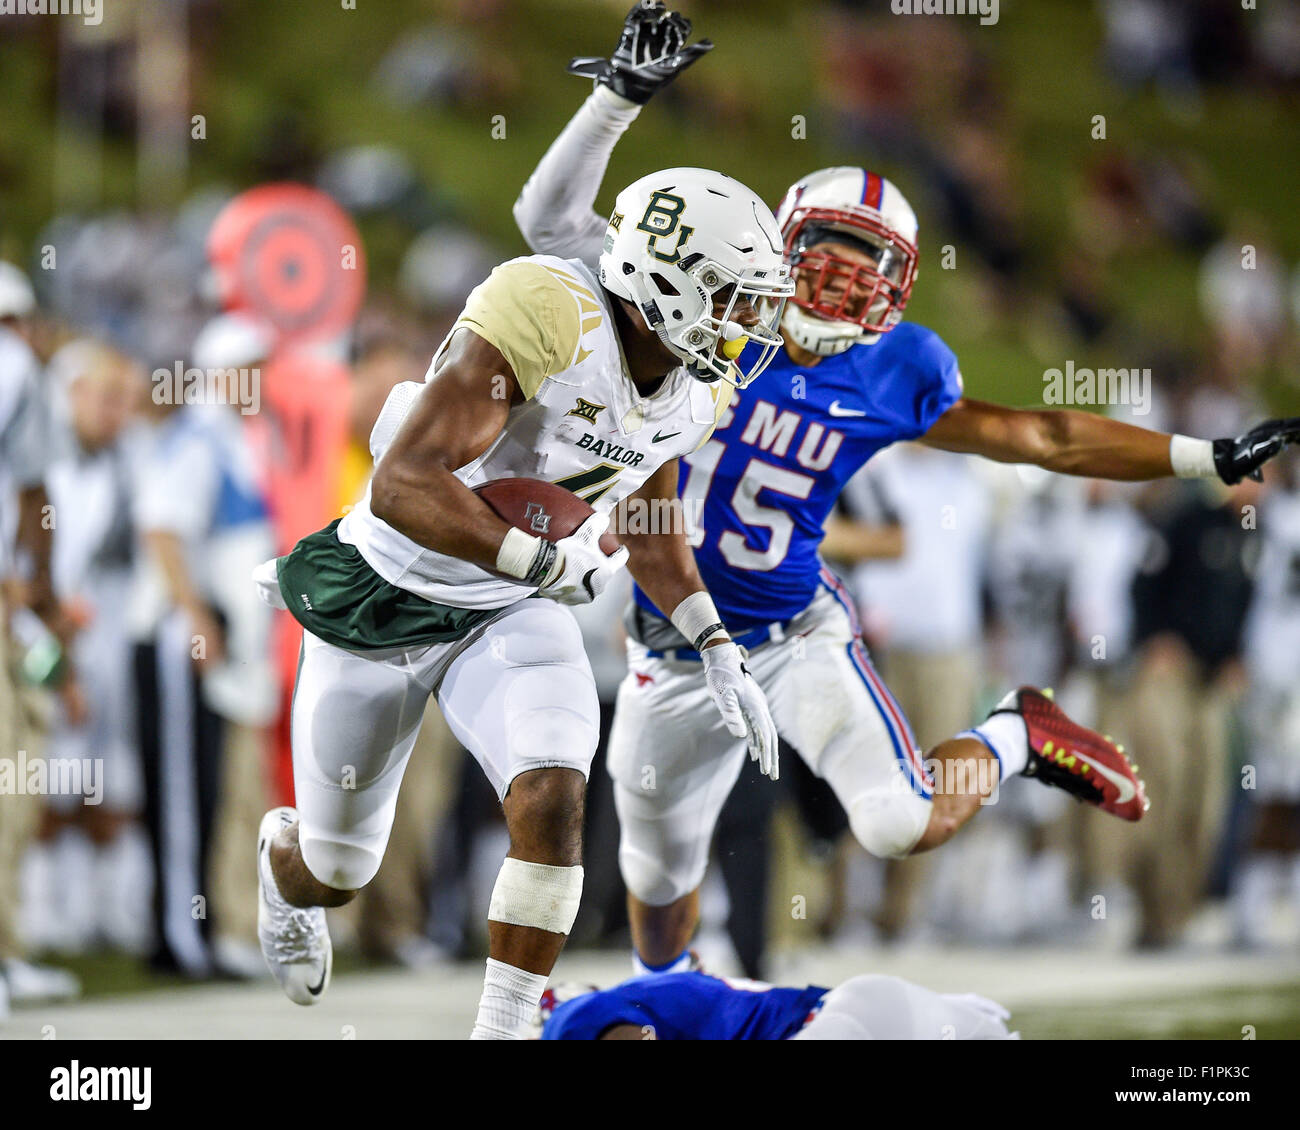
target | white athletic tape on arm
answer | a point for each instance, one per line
(536, 894)
(1192, 458)
(516, 553)
(694, 616)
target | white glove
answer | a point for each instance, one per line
(742, 704)
(582, 570)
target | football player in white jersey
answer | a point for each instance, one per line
(596, 381)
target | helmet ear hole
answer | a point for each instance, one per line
(664, 286)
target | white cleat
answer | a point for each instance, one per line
(295, 940)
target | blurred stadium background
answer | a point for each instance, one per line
(1108, 182)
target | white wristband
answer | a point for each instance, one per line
(516, 553)
(694, 616)
(1192, 458)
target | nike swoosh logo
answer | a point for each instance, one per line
(658, 437)
(315, 989)
(836, 410)
(1126, 790)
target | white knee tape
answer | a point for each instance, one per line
(536, 894)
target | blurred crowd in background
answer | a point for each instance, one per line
(1167, 615)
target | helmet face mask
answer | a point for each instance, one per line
(761, 303)
(869, 291)
(850, 239)
(697, 284)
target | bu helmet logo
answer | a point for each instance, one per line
(662, 219)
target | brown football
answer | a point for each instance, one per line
(541, 508)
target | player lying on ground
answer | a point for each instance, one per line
(696, 1006)
(852, 379)
(549, 373)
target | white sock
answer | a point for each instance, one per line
(509, 1001)
(1008, 737)
(122, 889)
(74, 862)
(680, 964)
(38, 884)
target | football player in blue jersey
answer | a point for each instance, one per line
(696, 1006)
(853, 378)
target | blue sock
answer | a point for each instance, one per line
(680, 964)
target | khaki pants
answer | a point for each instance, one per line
(937, 692)
(244, 797)
(1103, 845)
(1176, 729)
(20, 729)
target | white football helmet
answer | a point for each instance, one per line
(678, 237)
(849, 302)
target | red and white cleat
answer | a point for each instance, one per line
(1074, 758)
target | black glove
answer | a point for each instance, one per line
(650, 53)
(1236, 459)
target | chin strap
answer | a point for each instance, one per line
(809, 333)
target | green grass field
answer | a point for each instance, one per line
(1273, 1013)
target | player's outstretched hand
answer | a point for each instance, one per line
(742, 704)
(1236, 459)
(650, 54)
(582, 569)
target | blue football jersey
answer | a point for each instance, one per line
(762, 486)
(687, 1006)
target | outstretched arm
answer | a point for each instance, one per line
(555, 209)
(1081, 443)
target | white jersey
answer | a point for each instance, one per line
(582, 424)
